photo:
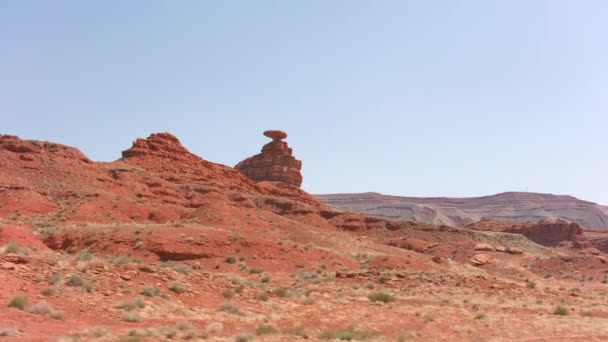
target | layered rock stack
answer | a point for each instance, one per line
(275, 163)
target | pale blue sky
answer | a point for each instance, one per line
(419, 98)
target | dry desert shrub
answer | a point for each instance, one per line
(230, 307)
(19, 302)
(130, 316)
(215, 327)
(243, 337)
(131, 304)
(381, 297)
(150, 291)
(561, 311)
(177, 287)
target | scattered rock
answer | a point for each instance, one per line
(484, 247)
(8, 266)
(514, 250)
(480, 259)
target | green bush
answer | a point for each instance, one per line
(131, 304)
(265, 330)
(280, 292)
(19, 301)
(150, 291)
(230, 307)
(177, 287)
(11, 248)
(561, 311)
(381, 297)
(347, 334)
(130, 316)
(84, 255)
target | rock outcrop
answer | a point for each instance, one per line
(159, 144)
(275, 163)
(546, 233)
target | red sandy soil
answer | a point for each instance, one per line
(253, 258)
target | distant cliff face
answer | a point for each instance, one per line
(460, 212)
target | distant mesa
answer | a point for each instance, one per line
(274, 164)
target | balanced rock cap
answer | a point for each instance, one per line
(275, 134)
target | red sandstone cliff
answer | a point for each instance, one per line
(546, 233)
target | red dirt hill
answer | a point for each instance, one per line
(160, 236)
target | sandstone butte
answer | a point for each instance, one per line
(161, 244)
(275, 163)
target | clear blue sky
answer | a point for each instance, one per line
(420, 98)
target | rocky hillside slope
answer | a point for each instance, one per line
(163, 245)
(459, 212)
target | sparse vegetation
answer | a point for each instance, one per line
(266, 330)
(130, 316)
(261, 297)
(11, 248)
(131, 304)
(48, 291)
(347, 334)
(230, 260)
(230, 307)
(177, 287)
(180, 268)
(19, 302)
(280, 292)
(77, 280)
(215, 327)
(84, 255)
(243, 337)
(150, 291)
(561, 311)
(381, 297)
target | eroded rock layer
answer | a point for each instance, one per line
(546, 233)
(274, 164)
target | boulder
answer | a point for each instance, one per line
(514, 250)
(481, 259)
(484, 247)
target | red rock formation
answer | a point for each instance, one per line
(546, 233)
(598, 238)
(275, 163)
